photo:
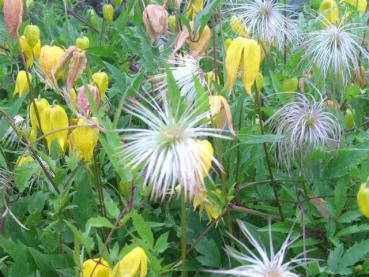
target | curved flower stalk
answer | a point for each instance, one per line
(262, 263)
(267, 20)
(335, 49)
(302, 125)
(167, 151)
(184, 69)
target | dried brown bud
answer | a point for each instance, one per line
(13, 14)
(221, 113)
(155, 18)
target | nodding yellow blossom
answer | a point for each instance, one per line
(49, 58)
(360, 5)
(84, 139)
(83, 42)
(237, 26)
(101, 79)
(290, 84)
(363, 199)
(32, 35)
(21, 83)
(24, 159)
(194, 7)
(108, 12)
(42, 106)
(99, 267)
(329, 9)
(56, 119)
(132, 264)
(247, 53)
(202, 201)
(206, 152)
(29, 52)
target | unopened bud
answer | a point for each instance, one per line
(108, 13)
(155, 18)
(83, 103)
(32, 34)
(83, 42)
(13, 15)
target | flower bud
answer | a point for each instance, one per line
(83, 103)
(49, 58)
(290, 85)
(58, 120)
(221, 113)
(26, 50)
(206, 153)
(42, 106)
(132, 264)
(13, 15)
(237, 26)
(101, 80)
(362, 198)
(108, 13)
(349, 119)
(92, 17)
(259, 81)
(84, 139)
(172, 22)
(99, 267)
(21, 83)
(155, 18)
(32, 34)
(83, 42)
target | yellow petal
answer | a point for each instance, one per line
(233, 59)
(132, 264)
(206, 152)
(58, 120)
(221, 113)
(251, 63)
(329, 9)
(363, 199)
(360, 5)
(101, 269)
(42, 108)
(26, 50)
(101, 79)
(237, 26)
(24, 159)
(49, 57)
(21, 83)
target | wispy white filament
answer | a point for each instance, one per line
(267, 20)
(167, 151)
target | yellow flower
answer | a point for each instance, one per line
(49, 58)
(24, 159)
(363, 199)
(194, 8)
(108, 12)
(329, 9)
(32, 35)
(132, 264)
(83, 42)
(206, 155)
(360, 5)
(84, 139)
(247, 53)
(56, 119)
(21, 83)
(42, 108)
(101, 80)
(237, 26)
(29, 52)
(99, 269)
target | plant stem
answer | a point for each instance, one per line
(183, 232)
(99, 185)
(267, 158)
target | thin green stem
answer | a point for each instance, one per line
(183, 232)
(267, 158)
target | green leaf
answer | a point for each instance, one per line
(210, 255)
(80, 237)
(143, 229)
(162, 243)
(354, 229)
(98, 222)
(24, 173)
(246, 138)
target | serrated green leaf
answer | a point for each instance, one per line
(143, 229)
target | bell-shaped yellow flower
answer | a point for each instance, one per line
(329, 9)
(43, 109)
(21, 83)
(237, 26)
(49, 58)
(363, 199)
(99, 267)
(132, 264)
(245, 52)
(206, 152)
(108, 12)
(84, 139)
(360, 5)
(32, 34)
(29, 52)
(101, 80)
(57, 124)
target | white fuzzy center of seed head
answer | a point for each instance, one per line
(273, 272)
(172, 134)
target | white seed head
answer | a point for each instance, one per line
(269, 21)
(335, 49)
(167, 151)
(303, 125)
(260, 263)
